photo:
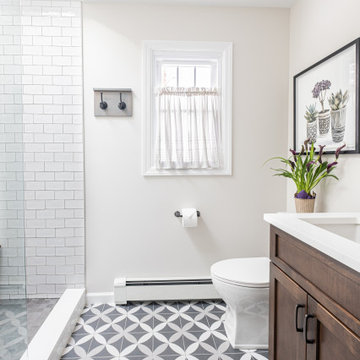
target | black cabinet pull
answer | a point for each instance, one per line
(298, 306)
(307, 317)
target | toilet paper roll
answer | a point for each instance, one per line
(189, 217)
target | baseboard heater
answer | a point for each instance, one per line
(126, 289)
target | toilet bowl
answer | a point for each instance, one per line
(244, 286)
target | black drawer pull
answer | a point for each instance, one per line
(298, 306)
(307, 317)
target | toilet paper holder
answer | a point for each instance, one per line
(178, 213)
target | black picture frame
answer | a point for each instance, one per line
(356, 99)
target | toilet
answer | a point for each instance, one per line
(244, 286)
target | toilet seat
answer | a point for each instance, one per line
(246, 272)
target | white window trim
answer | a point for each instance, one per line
(152, 50)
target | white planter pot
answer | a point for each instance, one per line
(338, 120)
(311, 131)
(324, 122)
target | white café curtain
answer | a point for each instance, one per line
(188, 129)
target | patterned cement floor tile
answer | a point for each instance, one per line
(184, 330)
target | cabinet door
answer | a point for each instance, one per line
(288, 305)
(327, 337)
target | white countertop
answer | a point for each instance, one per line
(338, 247)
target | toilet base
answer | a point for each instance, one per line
(245, 346)
(244, 286)
(231, 339)
(246, 329)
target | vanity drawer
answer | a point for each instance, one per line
(328, 281)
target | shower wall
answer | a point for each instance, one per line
(12, 277)
(53, 145)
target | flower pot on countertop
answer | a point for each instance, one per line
(304, 205)
(324, 122)
(307, 169)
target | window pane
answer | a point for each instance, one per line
(169, 76)
(186, 76)
(203, 76)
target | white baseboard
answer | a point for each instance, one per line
(50, 340)
(154, 293)
(171, 292)
(100, 298)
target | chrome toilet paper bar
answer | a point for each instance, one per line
(178, 213)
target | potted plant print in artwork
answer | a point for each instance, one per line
(327, 101)
(338, 104)
(319, 92)
(311, 116)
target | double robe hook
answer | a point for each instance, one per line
(117, 102)
(104, 105)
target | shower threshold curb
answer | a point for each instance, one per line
(50, 340)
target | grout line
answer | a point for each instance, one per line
(125, 325)
(95, 328)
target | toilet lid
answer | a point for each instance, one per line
(250, 272)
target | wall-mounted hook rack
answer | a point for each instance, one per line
(106, 102)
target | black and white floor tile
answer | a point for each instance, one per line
(154, 331)
(13, 332)
(19, 321)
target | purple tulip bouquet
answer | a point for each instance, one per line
(307, 169)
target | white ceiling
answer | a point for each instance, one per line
(241, 3)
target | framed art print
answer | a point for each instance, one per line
(326, 102)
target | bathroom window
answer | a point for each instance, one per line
(188, 74)
(187, 108)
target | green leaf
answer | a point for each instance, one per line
(274, 158)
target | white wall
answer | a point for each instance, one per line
(318, 28)
(131, 229)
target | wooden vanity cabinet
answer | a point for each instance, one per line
(314, 303)
(286, 299)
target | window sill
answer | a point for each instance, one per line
(188, 172)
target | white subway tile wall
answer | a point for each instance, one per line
(54, 190)
(46, 77)
(12, 276)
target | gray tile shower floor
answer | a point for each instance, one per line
(154, 331)
(19, 321)
(37, 312)
(13, 335)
